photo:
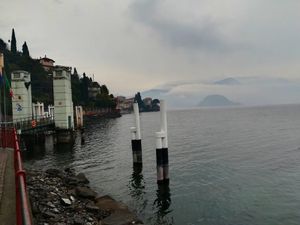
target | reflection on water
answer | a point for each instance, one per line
(161, 205)
(82, 137)
(38, 150)
(104, 153)
(163, 200)
(137, 188)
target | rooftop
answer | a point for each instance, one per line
(47, 59)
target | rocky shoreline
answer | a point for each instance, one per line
(61, 197)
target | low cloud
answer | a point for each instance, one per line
(57, 1)
(250, 91)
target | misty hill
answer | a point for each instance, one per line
(216, 100)
(227, 81)
(248, 90)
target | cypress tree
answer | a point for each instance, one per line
(76, 91)
(25, 50)
(85, 88)
(75, 71)
(13, 44)
(104, 90)
(2, 46)
(138, 99)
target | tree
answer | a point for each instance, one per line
(76, 91)
(25, 50)
(3, 46)
(138, 99)
(104, 90)
(13, 43)
(75, 72)
(155, 105)
(85, 83)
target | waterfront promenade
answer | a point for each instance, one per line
(7, 187)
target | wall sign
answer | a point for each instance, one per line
(19, 107)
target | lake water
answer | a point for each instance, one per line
(227, 166)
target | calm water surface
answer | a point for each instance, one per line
(227, 166)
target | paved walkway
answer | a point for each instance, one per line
(7, 188)
(3, 160)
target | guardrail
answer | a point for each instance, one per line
(31, 123)
(28, 123)
(22, 206)
(10, 140)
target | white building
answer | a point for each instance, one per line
(63, 112)
(22, 100)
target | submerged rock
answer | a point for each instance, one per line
(85, 192)
(119, 212)
(107, 203)
(121, 217)
(73, 181)
(92, 207)
(82, 178)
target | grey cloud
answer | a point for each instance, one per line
(201, 36)
(57, 1)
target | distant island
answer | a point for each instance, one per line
(147, 104)
(216, 101)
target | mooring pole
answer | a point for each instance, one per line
(162, 155)
(136, 142)
(159, 157)
(164, 128)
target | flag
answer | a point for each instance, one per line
(11, 94)
(1, 68)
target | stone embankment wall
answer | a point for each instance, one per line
(60, 197)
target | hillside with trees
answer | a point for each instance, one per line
(41, 80)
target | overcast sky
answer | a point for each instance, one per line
(134, 45)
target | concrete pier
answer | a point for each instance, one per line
(64, 136)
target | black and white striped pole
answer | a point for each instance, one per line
(136, 141)
(162, 155)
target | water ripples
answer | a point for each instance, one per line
(227, 166)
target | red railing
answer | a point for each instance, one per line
(9, 139)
